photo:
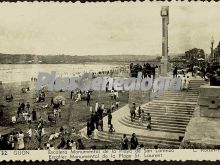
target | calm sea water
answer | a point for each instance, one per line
(24, 72)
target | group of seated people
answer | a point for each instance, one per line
(41, 97)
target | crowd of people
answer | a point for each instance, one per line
(28, 114)
(208, 72)
(138, 112)
(147, 70)
(95, 122)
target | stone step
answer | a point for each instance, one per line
(197, 82)
(203, 81)
(175, 106)
(145, 137)
(169, 107)
(169, 102)
(177, 99)
(156, 123)
(155, 126)
(184, 123)
(170, 111)
(163, 107)
(167, 119)
(193, 90)
(181, 94)
(132, 125)
(195, 86)
(170, 116)
(172, 103)
(161, 142)
(173, 113)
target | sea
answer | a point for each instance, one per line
(24, 72)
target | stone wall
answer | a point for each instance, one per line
(139, 97)
(209, 101)
(202, 132)
(203, 129)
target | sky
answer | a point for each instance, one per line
(105, 28)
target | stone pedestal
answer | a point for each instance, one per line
(209, 101)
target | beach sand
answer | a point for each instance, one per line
(72, 115)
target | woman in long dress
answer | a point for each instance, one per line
(21, 140)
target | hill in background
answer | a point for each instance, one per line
(67, 59)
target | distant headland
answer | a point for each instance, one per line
(70, 59)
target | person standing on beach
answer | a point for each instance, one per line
(19, 111)
(21, 140)
(112, 107)
(71, 95)
(28, 106)
(51, 102)
(34, 115)
(29, 132)
(100, 112)
(96, 106)
(88, 99)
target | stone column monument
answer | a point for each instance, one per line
(165, 21)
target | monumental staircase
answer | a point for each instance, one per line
(170, 114)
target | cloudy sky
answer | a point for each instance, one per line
(105, 28)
